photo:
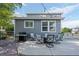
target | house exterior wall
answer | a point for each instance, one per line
(19, 27)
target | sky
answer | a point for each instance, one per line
(70, 11)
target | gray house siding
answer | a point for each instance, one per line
(19, 27)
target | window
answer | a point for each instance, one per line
(44, 26)
(48, 26)
(28, 24)
(51, 26)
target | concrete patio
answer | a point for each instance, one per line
(69, 46)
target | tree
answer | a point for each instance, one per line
(7, 9)
(6, 13)
(65, 30)
(10, 27)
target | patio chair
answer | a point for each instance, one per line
(46, 35)
(39, 39)
(50, 41)
(57, 37)
(60, 37)
(50, 38)
(32, 36)
(45, 38)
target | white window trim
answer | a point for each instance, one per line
(14, 29)
(28, 21)
(48, 26)
(41, 26)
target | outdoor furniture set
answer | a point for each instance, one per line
(47, 39)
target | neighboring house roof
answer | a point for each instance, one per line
(42, 16)
(76, 29)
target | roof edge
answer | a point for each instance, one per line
(43, 13)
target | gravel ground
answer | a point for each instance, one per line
(8, 48)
